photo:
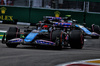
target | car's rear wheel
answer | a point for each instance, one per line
(96, 28)
(12, 33)
(76, 39)
(55, 34)
(56, 37)
(58, 43)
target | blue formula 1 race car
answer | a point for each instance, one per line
(47, 35)
(88, 32)
(65, 21)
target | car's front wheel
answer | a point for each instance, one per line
(12, 33)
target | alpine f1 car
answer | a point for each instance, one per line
(54, 31)
(65, 21)
(52, 37)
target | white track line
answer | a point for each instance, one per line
(3, 31)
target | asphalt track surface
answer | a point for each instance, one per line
(46, 56)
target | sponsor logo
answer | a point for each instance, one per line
(57, 14)
(3, 10)
(3, 16)
(44, 42)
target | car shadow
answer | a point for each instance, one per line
(42, 48)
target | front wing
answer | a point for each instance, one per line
(38, 42)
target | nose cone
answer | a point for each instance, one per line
(30, 37)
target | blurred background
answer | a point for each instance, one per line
(56, 4)
(33, 10)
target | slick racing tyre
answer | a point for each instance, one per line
(96, 28)
(57, 39)
(54, 34)
(76, 39)
(12, 33)
(58, 43)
